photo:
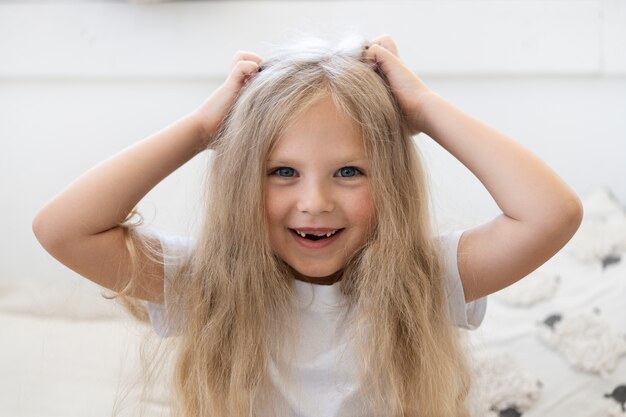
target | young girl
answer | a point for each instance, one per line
(316, 286)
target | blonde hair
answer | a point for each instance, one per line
(236, 296)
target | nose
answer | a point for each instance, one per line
(315, 197)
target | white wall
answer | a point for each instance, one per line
(81, 81)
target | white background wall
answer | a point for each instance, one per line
(80, 81)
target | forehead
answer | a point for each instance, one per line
(321, 127)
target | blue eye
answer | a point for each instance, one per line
(347, 171)
(283, 171)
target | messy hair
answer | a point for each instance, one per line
(236, 296)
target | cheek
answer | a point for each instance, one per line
(363, 207)
(271, 207)
(276, 216)
(273, 218)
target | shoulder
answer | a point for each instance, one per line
(464, 313)
(175, 249)
(175, 246)
(448, 241)
(447, 247)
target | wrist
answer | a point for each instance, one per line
(426, 102)
(203, 132)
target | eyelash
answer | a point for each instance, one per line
(358, 171)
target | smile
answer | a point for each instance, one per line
(315, 236)
(316, 240)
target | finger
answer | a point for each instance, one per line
(241, 72)
(245, 56)
(387, 42)
(378, 56)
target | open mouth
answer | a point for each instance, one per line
(315, 237)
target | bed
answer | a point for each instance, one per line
(553, 344)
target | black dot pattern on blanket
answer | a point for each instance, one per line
(508, 412)
(610, 260)
(552, 320)
(619, 395)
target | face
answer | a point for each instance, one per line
(317, 183)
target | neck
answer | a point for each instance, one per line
(329, 280)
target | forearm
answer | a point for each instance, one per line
(103, 196)
(522, 185)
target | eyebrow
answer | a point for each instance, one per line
(338, 161)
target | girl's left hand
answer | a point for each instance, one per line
(407, 87)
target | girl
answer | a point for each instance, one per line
(315, 285)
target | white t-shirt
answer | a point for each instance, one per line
(323, 378)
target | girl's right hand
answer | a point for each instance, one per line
(212, 112)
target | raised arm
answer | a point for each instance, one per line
(540, 212)
(79, 226)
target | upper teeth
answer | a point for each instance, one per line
(321, 234)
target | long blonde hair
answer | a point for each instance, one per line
(236, 296)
